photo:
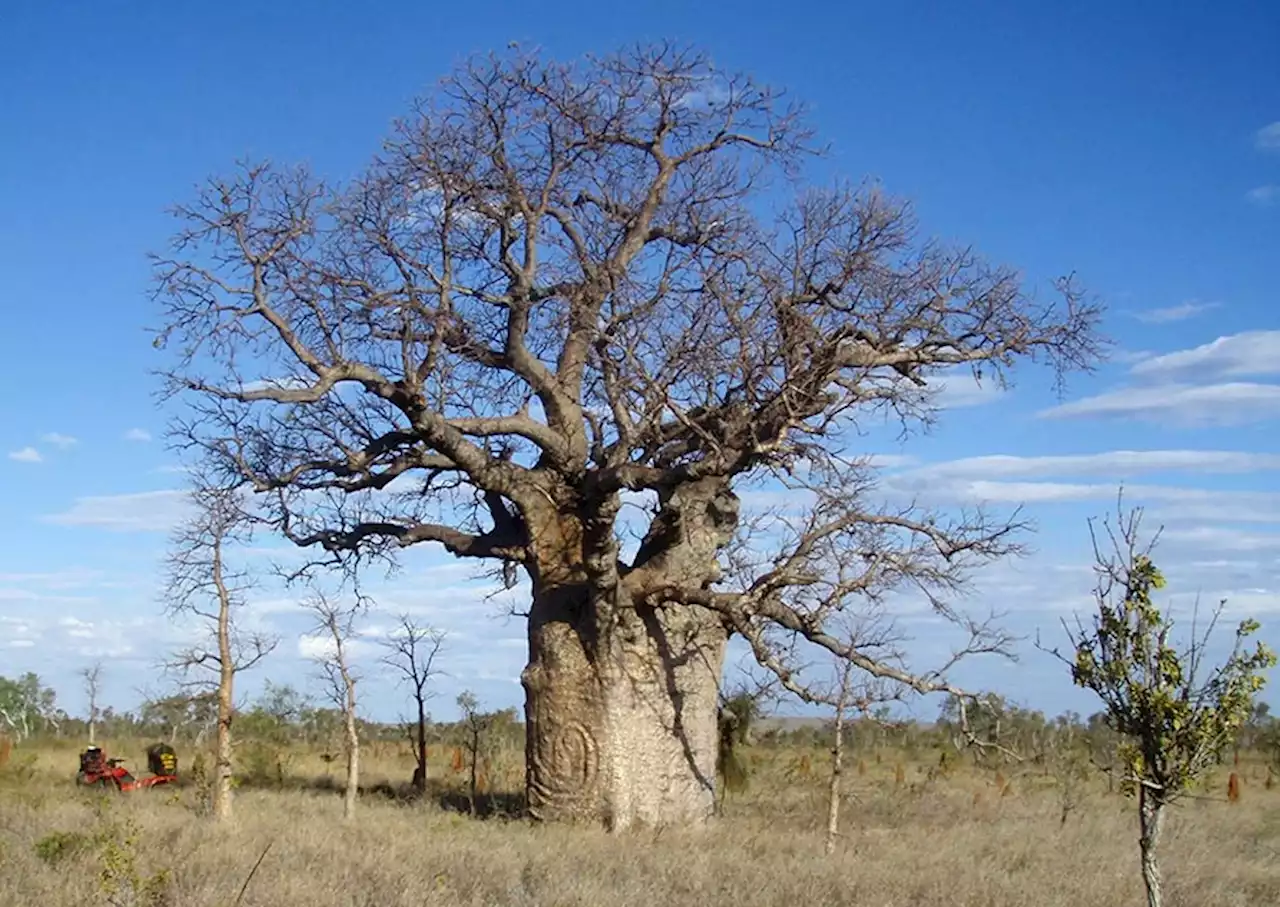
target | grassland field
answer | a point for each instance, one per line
(914, 834)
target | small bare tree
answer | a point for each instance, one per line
(850, 693)
(92, 677)
(412, 650)
(834, 793)
(1175, 721)
(873, 633)
(337, 622)
(202, 584)
(475, 724)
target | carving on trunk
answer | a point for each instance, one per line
(566, 762)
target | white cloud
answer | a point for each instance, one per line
(137, 434)
(1183, 504)
(315, 646)
(1187, 387)
(1233, 356)
(76, 628)
(956, 387)
(1224, 539)
(1108, 463)
(18, 632)
(890, 461)
(148, 511)
(1128, 357)
(60, 441)
(26, 455)
(318, 646)
(1236, 403)
(1263, 196)
(1174, 312)
(1268, 137)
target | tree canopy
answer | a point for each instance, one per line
(560, 282)
(560, 288)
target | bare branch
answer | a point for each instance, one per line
(557, 285)
(203, 584)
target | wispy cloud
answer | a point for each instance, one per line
(956, 388)
(1174, 312)
(1223, 539)
(1128, 357)
(1188, 388)
(1238, 403)
(60, 441)
(149, 511)
(1232, 356)
(1107, 463)
(1263, 196)
(1184, 505)
(137, 434)
(1268, 137)
(26, 455)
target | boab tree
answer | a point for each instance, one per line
(561, 284)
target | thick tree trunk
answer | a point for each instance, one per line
(621, 696)
(1150, 820)
(623, 732)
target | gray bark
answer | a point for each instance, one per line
(352, 791)
(226, 681)
(1151, 821)
(837, 762)
(621, 725)
(621, 696)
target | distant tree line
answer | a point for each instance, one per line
(283, 716)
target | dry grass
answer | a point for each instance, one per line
(938, 840)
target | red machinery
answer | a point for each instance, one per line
(96, 770)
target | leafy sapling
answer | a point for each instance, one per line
(1174, 714)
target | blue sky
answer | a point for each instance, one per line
(1140, 150)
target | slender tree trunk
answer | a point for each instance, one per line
(475, 759)
(837, 762)
(351, 743)
(353, 750)
(226, 682)
(1150, 819)
(420, 777)
(92, 680)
